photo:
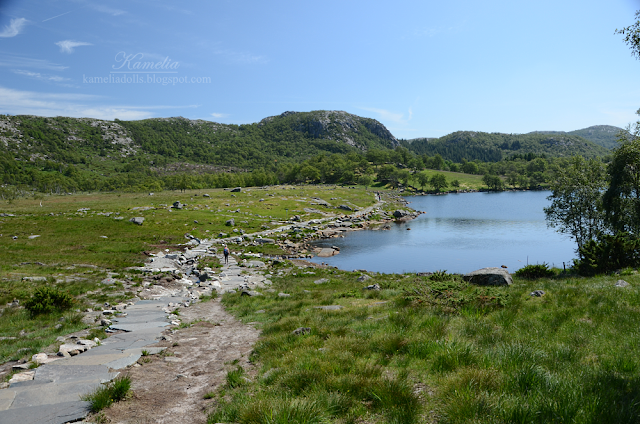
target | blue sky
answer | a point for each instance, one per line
(422, 68)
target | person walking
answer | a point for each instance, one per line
(226, 254)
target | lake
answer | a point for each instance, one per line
(459, 233)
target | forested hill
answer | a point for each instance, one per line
(292, 136)
(492, 147)
(602, 135)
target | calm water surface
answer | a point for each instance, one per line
(459, 233)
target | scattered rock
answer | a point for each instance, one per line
(321, 281)
(328, 307)
(34, 279)
(39, 358)
(622, 283)
(284, 295)
(301, 331)
(105, 322)
(33, 236)
(346, 208)
(399, 213)
(537, 293)
(236, 190)
(138, 220)
(250, 293)
(265, 241)
(372, 287)
(363, 277)
(230, 223)
(489, 277)
(177, 205)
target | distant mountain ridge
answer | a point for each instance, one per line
(288, 137)
(603, 135)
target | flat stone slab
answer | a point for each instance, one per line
(138, 326)
(328, 307)
(327, 252)
(6, 399)
(60, 413)
(61, 372)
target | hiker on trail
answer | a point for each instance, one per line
(226, 254)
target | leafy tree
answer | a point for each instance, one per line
(438, 182)
(632, 36)
(423, 179)
(576, 207)
(494, 182)
(455, 183)
(365, 180)
(622, 198)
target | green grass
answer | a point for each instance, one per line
(441, 351)
(113, 391)
(73, 254)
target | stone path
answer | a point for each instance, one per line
(52, 395)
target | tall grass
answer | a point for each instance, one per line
(441, 349)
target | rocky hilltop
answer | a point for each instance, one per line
(336, 125)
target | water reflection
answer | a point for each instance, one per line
(459, 233)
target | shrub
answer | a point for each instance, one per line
(533, 272)
(46, 300)
(104, 396)
(608, 253)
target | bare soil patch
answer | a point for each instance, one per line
(170, 388)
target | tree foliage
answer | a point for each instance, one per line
(576, 206)
(631, 36)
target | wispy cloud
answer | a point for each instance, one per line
(67, 46)
(17, 61)
(240, 57)
(14, 28)
(219, 115)
(39, 76)
(108, 10)
(18, 102)
(386, 115)
(57, 16)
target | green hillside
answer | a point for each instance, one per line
(492, 147)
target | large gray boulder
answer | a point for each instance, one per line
(489, 277)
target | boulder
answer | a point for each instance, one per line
(537, 293)
(399, 213)
(372, 287)
(345, 208)
(321, 281)
(301, 331)
(621, 283)
(265, 241)
(363, 277)
(138, 220)
(230, 223)
(489, 277)
(284, 295)
(236, 190)
(177, 205)
(250, 293)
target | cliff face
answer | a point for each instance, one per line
(353, 130)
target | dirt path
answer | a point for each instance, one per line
(171, 388)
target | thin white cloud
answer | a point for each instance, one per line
(67, 46)
(57, 16)
(219, 115)
(386, 115)
(108, 10)
(14, 28)
(16, 61)
(39, 76)
(240, 57)
(18, 102)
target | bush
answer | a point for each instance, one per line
(114, 391)
(533, 272)
(46, 300)
(608, 253)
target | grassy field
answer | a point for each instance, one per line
(82, 240)
(439, 350)
(467, 181)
